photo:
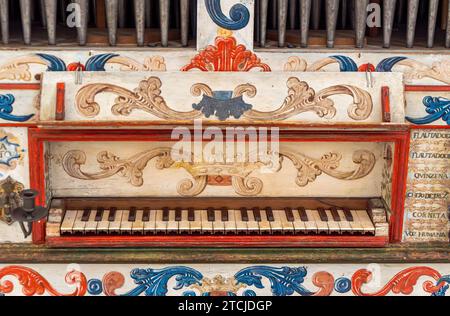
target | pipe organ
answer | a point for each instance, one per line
(226, 132)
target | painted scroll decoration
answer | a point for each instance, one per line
(19, 68)
(439, 71)
(308, 169)
(239, 15)
(301, 98)
(437, 108)
(98, 63)
(10, 190)
(34, 283)
(6, 109)
(281, 281)
(226, 55)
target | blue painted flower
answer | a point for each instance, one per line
(342, 285)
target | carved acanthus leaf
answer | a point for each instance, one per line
(241, 173)
(302, 98)
(146, 97)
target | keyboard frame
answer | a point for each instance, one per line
(396, 134)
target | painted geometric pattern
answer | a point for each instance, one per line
(249, 281)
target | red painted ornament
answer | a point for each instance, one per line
(75, 67)
(225, 55)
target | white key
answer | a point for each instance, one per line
(79, 225)
(68, 222)
(125, 225)
(137, 226)
(184, 225)
(241, 226)
(91, 224)
(345, 225)
(196, 224)
(322, 227)
(150, 226)
(310, 225)
(218, 225)
(333, 226)
(264, 224)
(160, 225)
(252, 224)
(299, 226)
(288, 227)
(357, 226)
(172, 224)
(366, 221)
(103, 225)
(276, 225)
(114, 226)
(230, 225)
(207, 226)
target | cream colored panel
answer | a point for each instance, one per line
(306, 169)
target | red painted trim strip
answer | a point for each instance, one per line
(20, 86)
(238, 241)
(385, 104)
(427, 88)
(60, 101)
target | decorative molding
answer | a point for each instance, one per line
(240, 172)
(10, 199)
(35, 284)
(301, 98)
(239, 15)
(436, 107)
(226, 55)
(19, 68)
(6, 109)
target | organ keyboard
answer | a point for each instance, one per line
(70, 220)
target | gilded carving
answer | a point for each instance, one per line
(242, 180)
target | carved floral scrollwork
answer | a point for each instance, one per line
(146, 97)
(301, 98)
(240, 172)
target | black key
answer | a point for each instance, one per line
(269, 214)
(146, 215)
(244, 214)
(211, 215)
(303, 215)
(178, 214)
(335, 214)
(322, 214)
(289, 214)
(257, 214)
(191, 214)
(348, 215)
(165, 214)
(99, 214)
(86, 214)
(112, 214)
(132, 214)
(224, 213)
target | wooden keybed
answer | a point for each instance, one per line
(241, 222)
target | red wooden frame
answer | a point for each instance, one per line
(37, 137)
